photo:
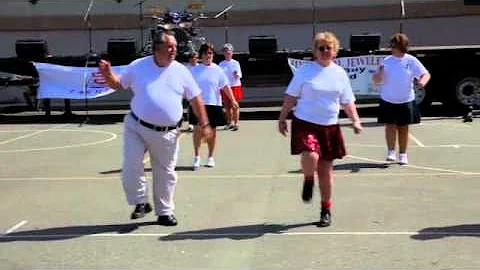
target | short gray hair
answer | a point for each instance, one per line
(228, 47)
(159, 37)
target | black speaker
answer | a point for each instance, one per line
(365, 42)
(262, 45)
(31, 49)
(121, 47)
(471, 2)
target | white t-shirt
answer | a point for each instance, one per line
(190, 66)
(158, 91)
(320, 91)
(229, 67)
(399, 72)
(211, 79)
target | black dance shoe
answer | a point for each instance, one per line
(140, 210)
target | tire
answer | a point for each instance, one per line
(424, 98)
(467, 91)
(462, 93)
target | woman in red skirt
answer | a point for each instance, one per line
(317, 91)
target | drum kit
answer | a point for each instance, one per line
(184, 25)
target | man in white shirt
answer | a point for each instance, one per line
(232, 69)
(159, 83)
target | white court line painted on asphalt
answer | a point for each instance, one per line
(415, 166)
(417, 141)
(112, 135)
(32, 134)
(242, 176)
(16, 227)
(415, 146)
(239, 234)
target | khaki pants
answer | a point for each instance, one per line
(163, 149)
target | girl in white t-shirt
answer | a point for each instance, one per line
(234, 74)
(318, 90)
(398, 108)
(211, 79)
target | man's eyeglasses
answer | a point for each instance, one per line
(324, 48)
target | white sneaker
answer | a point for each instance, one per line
(196, 162)
(210, 162)
(402, 159)
(190, 128)
(391, 155)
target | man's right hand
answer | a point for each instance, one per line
(105, 68)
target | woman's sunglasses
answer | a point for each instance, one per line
(324, 48)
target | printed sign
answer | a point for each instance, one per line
(359, 69)
(66, 82)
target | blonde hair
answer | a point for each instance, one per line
(327, 37)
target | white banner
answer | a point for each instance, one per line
(72, 82)
(359, 69)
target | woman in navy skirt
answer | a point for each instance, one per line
(212, 80)
(398, 108)
(318, 90)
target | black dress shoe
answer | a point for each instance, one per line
(325, 218)
(140, 210)
(307, 191)
(167, 220)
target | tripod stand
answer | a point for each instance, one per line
(140, 18)
(91, 59)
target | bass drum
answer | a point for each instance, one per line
(183, 40)
(197, 41)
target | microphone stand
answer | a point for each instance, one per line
(140, 18)
(225, 18)
(402, 7)
(91, 54)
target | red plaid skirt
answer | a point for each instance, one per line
(327, 141)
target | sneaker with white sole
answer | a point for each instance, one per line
(402, 159)
(196, 163)
(391, 155)
(210, 162)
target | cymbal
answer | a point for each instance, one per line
(156, 10)
(167, 26)
(195, 5)
(185, 24)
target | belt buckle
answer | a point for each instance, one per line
(160, 129)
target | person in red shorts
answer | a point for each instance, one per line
(317, 91)
(232, 69)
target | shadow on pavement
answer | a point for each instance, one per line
(62, 233)
(432, 233)
(233, 232)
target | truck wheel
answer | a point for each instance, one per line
(423, 98)
(467, 91)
